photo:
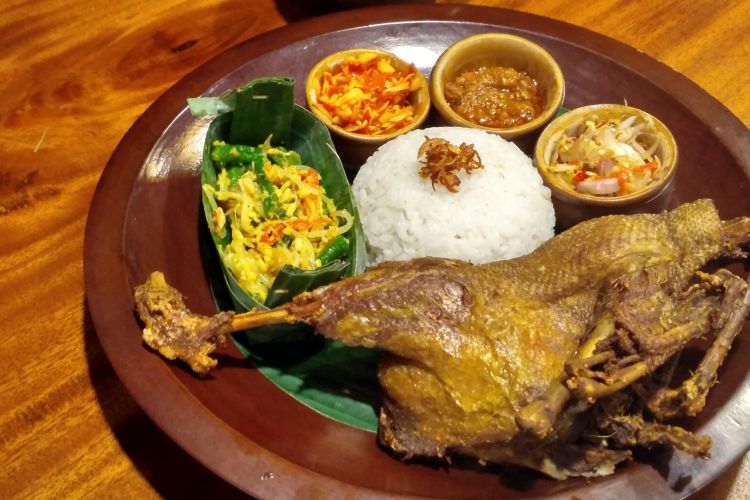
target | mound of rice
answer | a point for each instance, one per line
(500, 212)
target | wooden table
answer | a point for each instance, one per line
(74, 76)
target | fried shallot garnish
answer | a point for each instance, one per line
(442, 160)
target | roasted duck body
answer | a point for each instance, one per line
(558, 360)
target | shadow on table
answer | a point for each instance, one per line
(169, 469)
(295, 10)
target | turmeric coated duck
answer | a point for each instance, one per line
(559, 360)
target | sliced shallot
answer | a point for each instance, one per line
(605, 166)
(599, 186)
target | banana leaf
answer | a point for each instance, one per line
(335, 380)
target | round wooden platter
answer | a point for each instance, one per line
(145, 216)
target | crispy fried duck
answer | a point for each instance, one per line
(559, 360)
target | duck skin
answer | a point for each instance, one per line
(559, 360)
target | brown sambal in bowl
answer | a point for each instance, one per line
(501, 83)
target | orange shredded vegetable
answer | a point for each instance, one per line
(273, 233)
(367, 95)
(311, 177)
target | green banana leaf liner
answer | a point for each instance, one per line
(335, 380)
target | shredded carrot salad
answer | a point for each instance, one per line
(367, 95)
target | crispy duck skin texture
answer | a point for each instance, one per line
(507, 361)
(468, 347)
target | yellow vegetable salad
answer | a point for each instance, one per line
(276, 212)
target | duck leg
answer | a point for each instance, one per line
(177, 333)
(690, 397)
(538, 417)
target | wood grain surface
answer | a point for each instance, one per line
(74, 76)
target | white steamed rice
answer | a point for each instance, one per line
(500, 212)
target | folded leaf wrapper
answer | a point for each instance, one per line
(335, 380)
(264, 108)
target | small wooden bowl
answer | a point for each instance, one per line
(498, 49)
(571, 206)
(353, 147)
